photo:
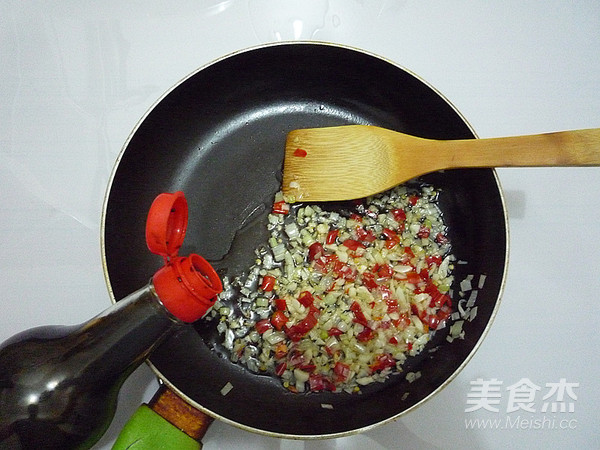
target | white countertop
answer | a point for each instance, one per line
(75, 77)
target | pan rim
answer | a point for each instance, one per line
(164, 380)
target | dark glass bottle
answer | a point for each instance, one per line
(59, 385)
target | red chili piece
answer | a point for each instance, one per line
(383, 272)
(368, 280)
(306, 299)
(433, 260)
(423, 232)
(365, 235)
(365, 335)
(413, 277)
(392, 305)
(280, 304)
(268, 283)
(441, 238)
(298, 331)
(280, 369)
(392, 238)
(325, 263)
(263, 325)
(318, 382)
(332, 236)
(278, 320)
(281, 208)
(402, 322)
(315, 251)
(399, 215)
(359, 316)
(352, 244)
(333, 331)
(437, 298)
(341, 371)
(383, 362)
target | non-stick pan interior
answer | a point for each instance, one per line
(219, 137)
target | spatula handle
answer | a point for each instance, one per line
(563, 148)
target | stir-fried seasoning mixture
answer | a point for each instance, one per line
(339, 300)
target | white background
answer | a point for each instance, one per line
(75, 77)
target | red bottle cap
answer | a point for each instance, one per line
(187, 286)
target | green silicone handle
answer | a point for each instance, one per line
(146, 430)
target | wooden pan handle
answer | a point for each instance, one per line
(167, 421)
(180, 413)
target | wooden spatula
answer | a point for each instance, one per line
(355, 161)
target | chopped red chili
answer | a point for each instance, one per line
(278, 320)
(281, 208)
(299, 330)
(399, 215)
(280, 304)
(423, 232)
(341, 371)
(332, 236)
(318, 382)
(368, 280)
(365, 335)
(268, 283)
(392, 238)
(382, 362)
(365, 235)
(306, 299)
(263, 325)
(280, 369)
(315, 251)
(441, 238)
(333, 331)
(353, 244)
(359, 316)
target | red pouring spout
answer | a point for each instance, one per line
(187, 286)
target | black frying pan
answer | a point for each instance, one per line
(219, 137)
